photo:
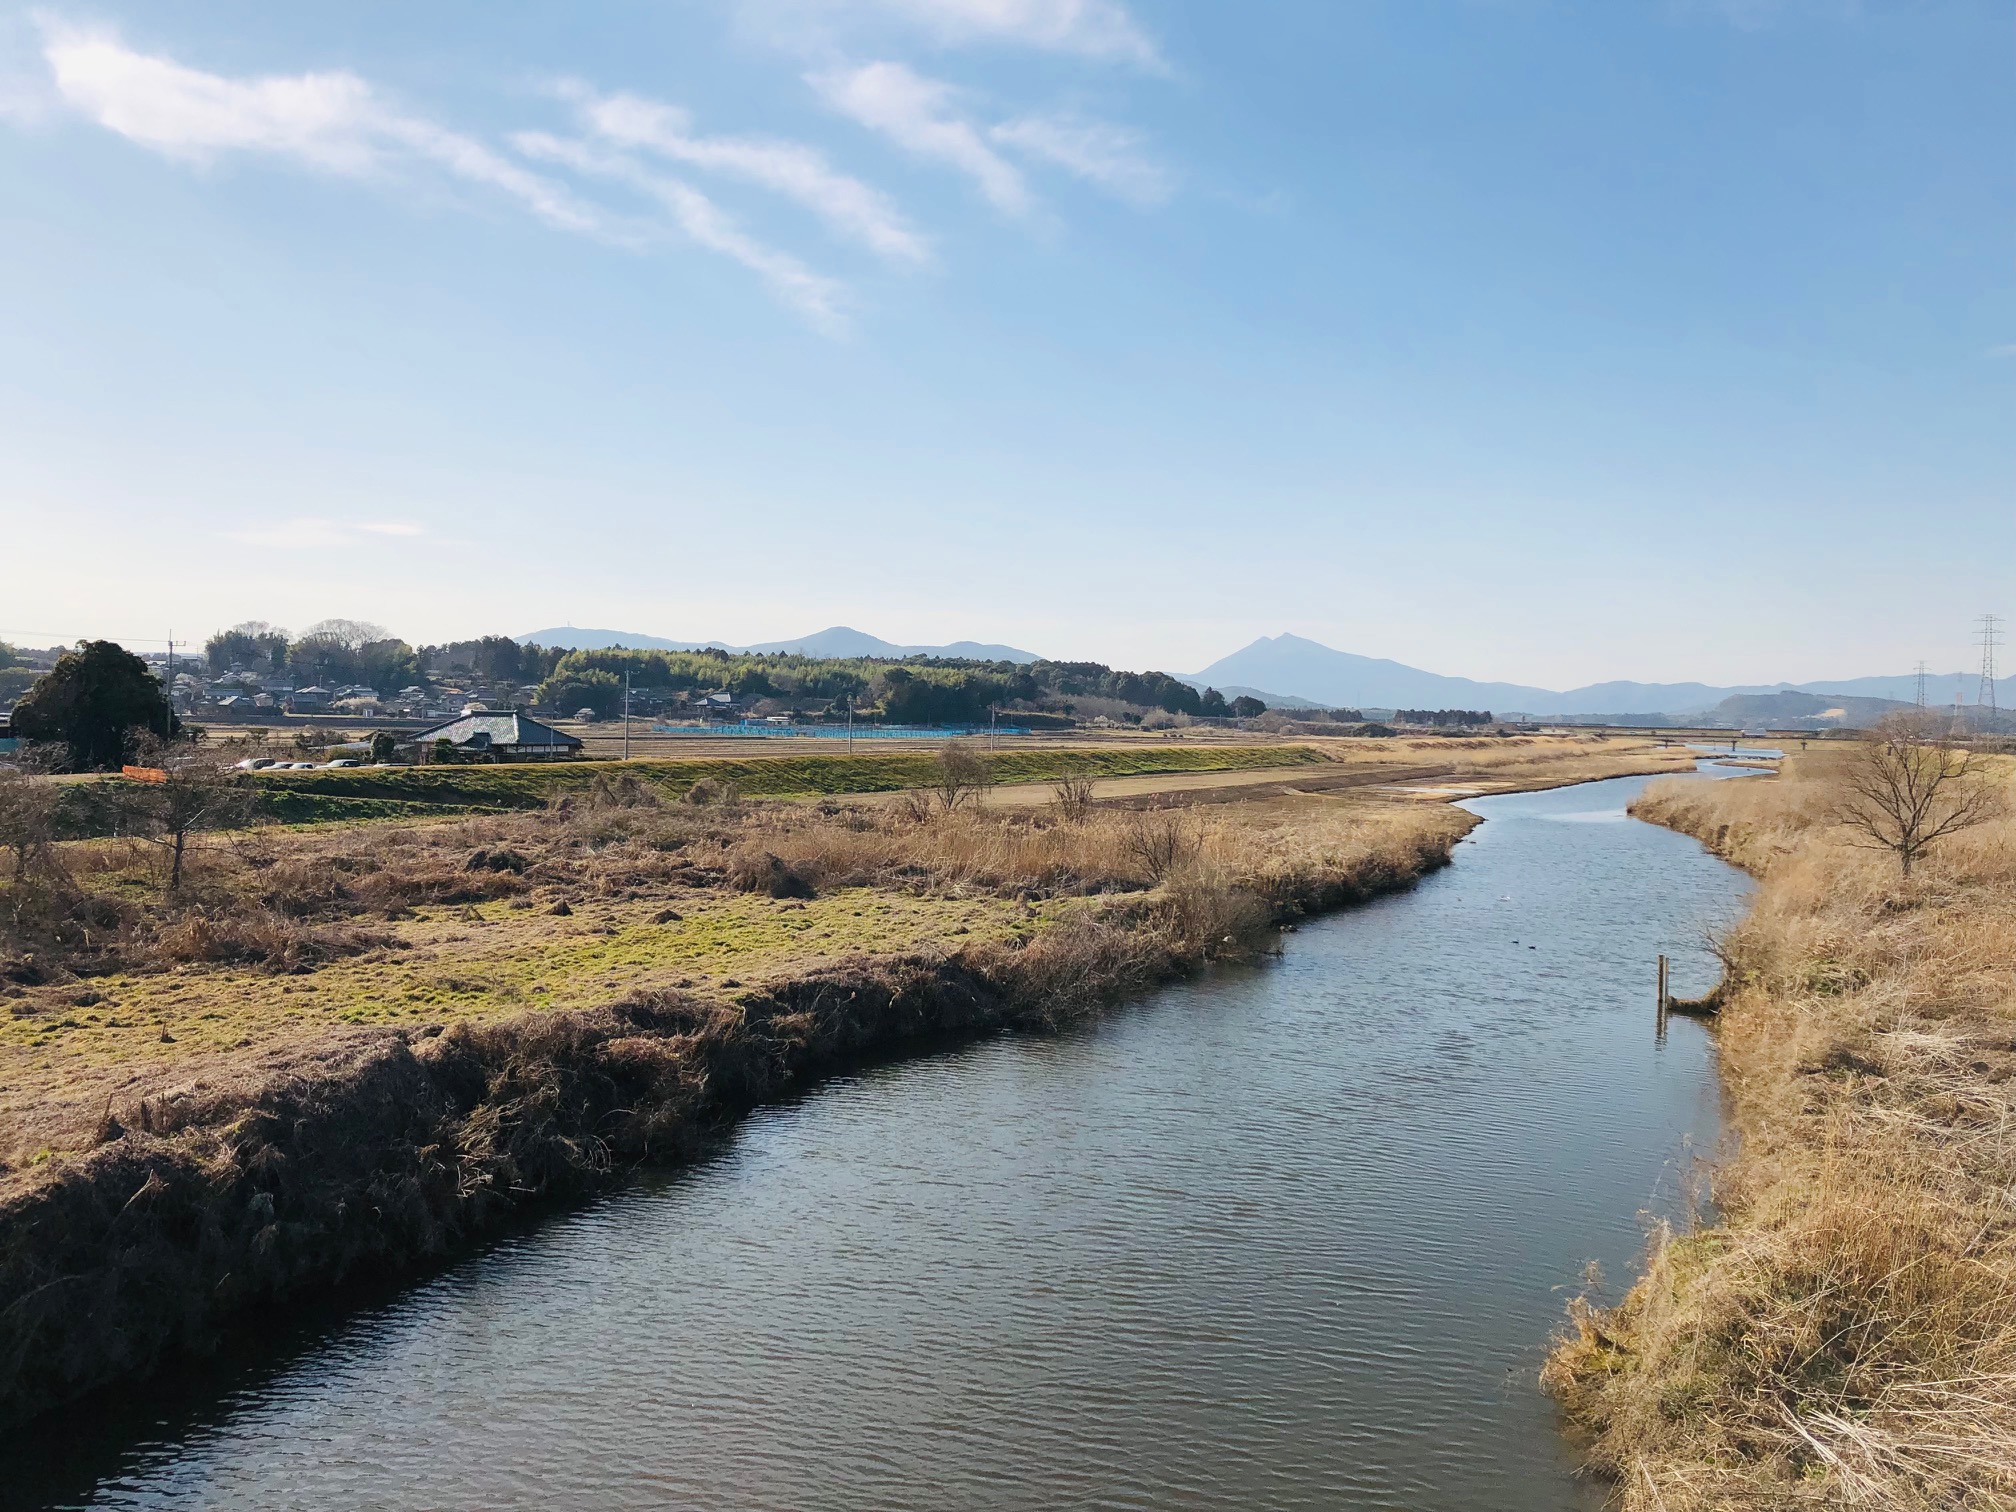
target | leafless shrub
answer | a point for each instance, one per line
(1207, 918)
(28, 822)
(962, 776)
(1074, 798)
(1160, 841)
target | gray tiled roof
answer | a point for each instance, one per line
(505, 729)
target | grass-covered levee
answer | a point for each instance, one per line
(337, 1051)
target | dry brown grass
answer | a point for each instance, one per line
(109, 985)
(1844, 1335)
(227, 1105)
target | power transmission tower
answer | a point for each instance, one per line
(1921, 685)
(1991, 637)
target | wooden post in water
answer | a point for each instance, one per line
(1665, 998)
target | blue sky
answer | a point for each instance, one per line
(1536, 341)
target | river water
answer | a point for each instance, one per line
(1288, 1236)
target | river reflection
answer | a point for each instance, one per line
(1284, 1237)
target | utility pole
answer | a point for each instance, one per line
(993, 720)
(168, 733)
(850, 724)
(1991, 637)
(626, 713)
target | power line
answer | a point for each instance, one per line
(58, 638)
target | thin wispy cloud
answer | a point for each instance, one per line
(1106, 155)
(853, 209)
(337, 123)
(1101, 29)
(920, 116)
(333, 121)
(314, 534)
(702, 221)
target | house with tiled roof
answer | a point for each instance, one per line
(505, 735)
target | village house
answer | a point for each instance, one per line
(501, 735)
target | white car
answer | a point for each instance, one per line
(255, 763)
(341, 761)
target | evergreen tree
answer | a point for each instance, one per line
(92, 703)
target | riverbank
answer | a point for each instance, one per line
(353, 1049)
(344, 1049)
(1843, 1334)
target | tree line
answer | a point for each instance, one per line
(917, 690)
(342, 652)
(920, 690)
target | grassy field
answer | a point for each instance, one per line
(1842, 1332)
(395, 792)
(411, 792)
(281, 936)
(340, 1049)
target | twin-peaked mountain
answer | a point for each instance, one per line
(1292, 667)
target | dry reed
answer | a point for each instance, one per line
(211, 1191)
(1844, 1334)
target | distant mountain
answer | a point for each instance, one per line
(838, 641)
(1308, 669)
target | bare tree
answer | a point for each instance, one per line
(196, 794)
(962, 776)
(1074, 798)
(348, 633)
(1909, 786)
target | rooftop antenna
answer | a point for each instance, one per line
(1991, 637)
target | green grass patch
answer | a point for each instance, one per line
(400, 792)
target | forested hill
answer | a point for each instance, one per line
(916, 690)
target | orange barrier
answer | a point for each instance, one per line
(144, 774)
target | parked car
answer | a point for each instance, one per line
(256, 763)
(341, 761)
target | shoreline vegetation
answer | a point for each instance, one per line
(342, 1050)
(1840, 1330)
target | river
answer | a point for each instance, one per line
(1286, 1236)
